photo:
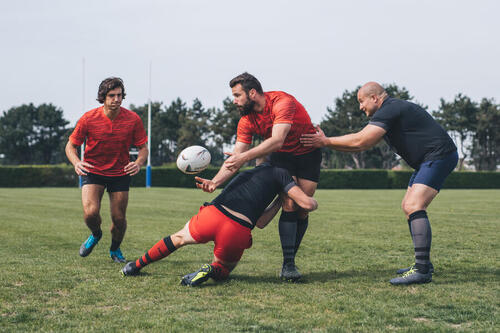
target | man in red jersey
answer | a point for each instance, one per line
(280, 119)
(109, 132)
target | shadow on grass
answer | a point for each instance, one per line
(442, 276)
(315, 277)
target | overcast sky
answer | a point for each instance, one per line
(312, 49)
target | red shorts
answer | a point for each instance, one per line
(230, 238)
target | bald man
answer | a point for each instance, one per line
(415, 136)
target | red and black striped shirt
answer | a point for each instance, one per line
(281, 108)
(108, 141)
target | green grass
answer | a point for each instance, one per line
(355, 242)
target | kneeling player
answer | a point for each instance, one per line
(228, 221)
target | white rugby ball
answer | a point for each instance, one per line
(193, 159)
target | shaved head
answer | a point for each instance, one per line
(370, 97)
(372, 88)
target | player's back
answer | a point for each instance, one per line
(251, 191)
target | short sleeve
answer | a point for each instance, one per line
(284, 109)
(283, 177)
(80, 132)
(140, 136)
(385, 117)
(244, 132)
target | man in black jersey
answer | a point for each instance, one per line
(422, 143)
(228, 221)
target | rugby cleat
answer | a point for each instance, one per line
(130, 269)
(198, 277)
(412, 277)
(290, 273)
(88, 245)
(117, 256)
(404, 270)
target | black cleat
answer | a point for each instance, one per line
(404, 270)
(412, 277)
(198, 277)
(88, 246)
(290, 273)
(130, 269)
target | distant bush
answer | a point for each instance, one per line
(169, 176)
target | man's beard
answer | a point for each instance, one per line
(246, 108)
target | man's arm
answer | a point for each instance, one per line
(274, 143)
(224, 173)
(269, 213)
(360, 141)
(72, 154)
(134, 167)
(303, 200)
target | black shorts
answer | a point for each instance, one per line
(112, 184)
(305, 166)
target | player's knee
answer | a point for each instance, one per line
(119, 221)
(180, 238)
(410, 206)
(91, 214)
(403, 205)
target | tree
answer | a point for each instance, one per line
(49, 128)
(486, 139)
(32, 135)
(194, 126)
(223, 127)
(459, 119)
(156, 130)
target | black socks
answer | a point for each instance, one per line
(115, 245)
(420, 229)
(302, 225)
(97, 234)
(288, 236)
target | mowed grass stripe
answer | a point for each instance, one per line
(355, 242)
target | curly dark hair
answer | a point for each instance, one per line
(248, 82)
(109, 84)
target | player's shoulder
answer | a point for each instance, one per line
(129, 116)
(278, 95)
(244, 122)
(391, 106)
(129, 113)
(91, 114)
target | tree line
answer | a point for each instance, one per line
(32, 134)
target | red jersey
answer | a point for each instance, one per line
(281, 108)
(108, 141)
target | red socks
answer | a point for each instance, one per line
(220, 271)
(159, 251)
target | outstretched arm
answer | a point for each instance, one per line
(274, 143)
(209, 185)
(355, 142)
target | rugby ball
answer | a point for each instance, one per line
(193, 159)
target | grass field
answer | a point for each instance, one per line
(355, 242)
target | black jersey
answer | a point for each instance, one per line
(412, 132)
(251, 191)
